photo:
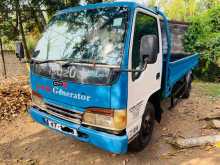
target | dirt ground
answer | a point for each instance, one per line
(23, 141)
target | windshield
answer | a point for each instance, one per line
(95, 36)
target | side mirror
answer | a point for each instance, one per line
(149, 49)
(19, 50)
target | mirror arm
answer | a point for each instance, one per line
(131, 70)
(145, 65)
(128, 70)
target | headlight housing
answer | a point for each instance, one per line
(37, 100)
(115, 120)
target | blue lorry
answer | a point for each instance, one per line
(100, 72)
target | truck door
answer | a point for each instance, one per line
(142, 85)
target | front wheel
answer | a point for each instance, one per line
(146, 131)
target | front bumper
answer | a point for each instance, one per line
(108, 142)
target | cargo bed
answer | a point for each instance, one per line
(179, 67)
(176, 62)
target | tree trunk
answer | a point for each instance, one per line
(40, 17)
(3, 59)
(18, 12)
(39, 25)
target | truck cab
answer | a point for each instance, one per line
(99, 72)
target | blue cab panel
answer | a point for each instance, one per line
(77, 95)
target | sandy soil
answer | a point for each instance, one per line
(13, 66)
(25, 142)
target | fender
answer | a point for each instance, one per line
(138, 111)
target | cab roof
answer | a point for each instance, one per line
(131, 5)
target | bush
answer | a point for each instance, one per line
(203, 36)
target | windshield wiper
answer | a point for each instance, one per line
(84, 61)
(68, 63)
(33, 61)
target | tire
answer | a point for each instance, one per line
(188, 86)
(146, 131)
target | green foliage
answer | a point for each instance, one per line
(204, 36)
(181, 10)
(7, 28)
(33, 14)
(210, 89)
(32, 39)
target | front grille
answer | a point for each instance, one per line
(69, 115)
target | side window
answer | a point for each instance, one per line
(144, 25)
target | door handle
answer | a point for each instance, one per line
(158, 76)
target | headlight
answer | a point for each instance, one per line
(105, 118)
(37, 100)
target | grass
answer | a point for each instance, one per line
(210, 89)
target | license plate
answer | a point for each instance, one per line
(59, 127)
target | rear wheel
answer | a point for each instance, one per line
(146, 131)
(188, 86)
